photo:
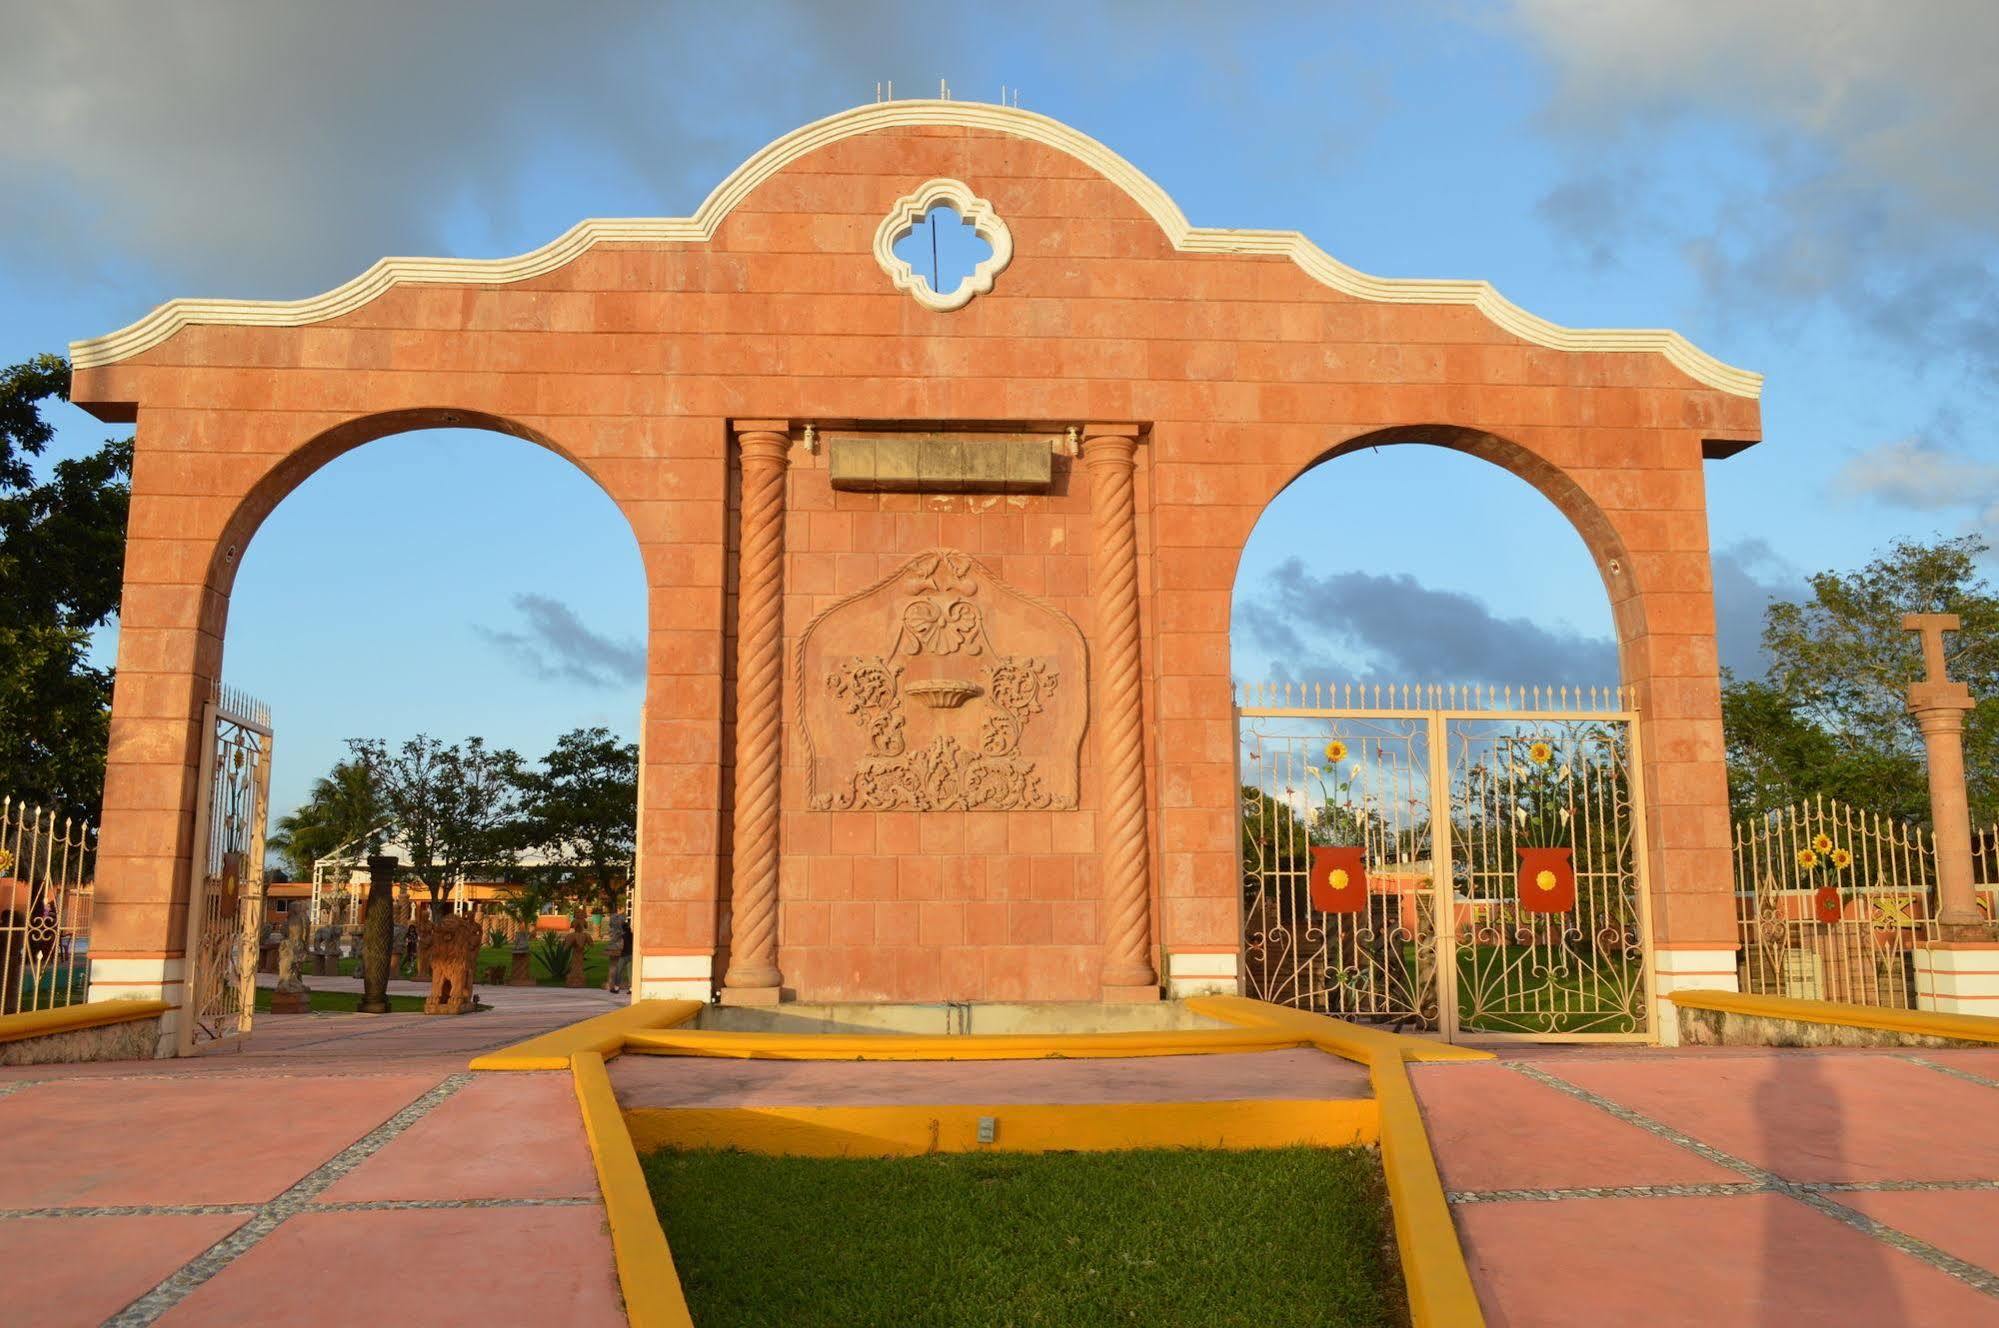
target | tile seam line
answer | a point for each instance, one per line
(1709, 1189)
(1953, 1071)
(245, 1209)
(182, 1282)
(1971, 1274)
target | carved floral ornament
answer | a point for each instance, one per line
(942, 688)
(978, 214)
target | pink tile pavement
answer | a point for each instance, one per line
(438, 1268)
(691, 1081)
(1964, 1223)
(1495, 1129)
(1813, 1116)
(1746, 1261)
(188, 1140)
(63, 1272)
(502, 1136)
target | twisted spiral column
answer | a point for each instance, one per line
(763, 450)
(1109, 454)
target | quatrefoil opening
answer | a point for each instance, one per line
(911, 210)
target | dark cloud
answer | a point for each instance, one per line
(553, 645)
(1360, 625)
(1874, 188)
(1748, 575)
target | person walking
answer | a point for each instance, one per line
(620, 978)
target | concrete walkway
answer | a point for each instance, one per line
(342, 1165)
(1715, 1188)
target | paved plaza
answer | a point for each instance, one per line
(342, 1154)
(1723, 1187)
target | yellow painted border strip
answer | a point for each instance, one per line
(1922, 1023)
(1353, 1041)
(653, 1298)
(74, 1018)
(603, 1034)
(1321, 266)
(1433, 1263)
(907, 1131)
(959, 1047)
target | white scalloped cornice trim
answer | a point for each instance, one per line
(977, 213)
(169, 318)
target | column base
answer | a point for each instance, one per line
(1126, 994)
(1687, 968)
(1956, 977)
(372, 1007)
(750, 995)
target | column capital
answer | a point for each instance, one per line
(1110, 444)
(766, 442)
(1940, 703)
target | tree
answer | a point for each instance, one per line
(451, 807)
(1832, 717)
(344, 806)
(581, 808)
(61, 567)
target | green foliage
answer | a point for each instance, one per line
(452, 807)
(344, 810)
(1274, 839)
(580, 808)
(61, 565)
(1832, 717)
(551, 951)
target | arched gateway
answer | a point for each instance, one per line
(938, 700)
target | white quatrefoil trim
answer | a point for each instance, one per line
(976, 212)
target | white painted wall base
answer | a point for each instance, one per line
(1687, 970)
(676, 977)
(1201, 973)
(144, 980)
(1958, 979)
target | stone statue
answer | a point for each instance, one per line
(452, 948)
(326, 951)
(424, 926)
(518, 973)
(578, 941)
(291, 996)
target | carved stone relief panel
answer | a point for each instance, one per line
(942, 688)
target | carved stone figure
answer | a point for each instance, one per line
(942, 688)
(452, 947)
(518, 972)
(423, 927)
(578, 941)
(291, 995)
(326, 951)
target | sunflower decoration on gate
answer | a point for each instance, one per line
(1338, 883)
(1544, 829)
(1828, 902)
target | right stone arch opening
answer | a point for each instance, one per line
(1489, 826)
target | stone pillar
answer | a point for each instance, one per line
(763, 449)
(1109, 454)
(377, 934)
(1940, 706)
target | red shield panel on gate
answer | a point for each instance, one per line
(1339, 878)
(1547, 880)
(1827, 904)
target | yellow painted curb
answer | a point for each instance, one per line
(1352, 1041)
(1922, 1023)
(898, 1131)
(1433, 1263)
(72, 1018)
(959, 1047)
(602, 1034)
(653, 1297)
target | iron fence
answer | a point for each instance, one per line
(1833, 903)
(47, 864)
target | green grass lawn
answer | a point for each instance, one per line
(342, 1002)
(596, 965)
(1275, 1238)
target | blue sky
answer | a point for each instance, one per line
(1810, 191)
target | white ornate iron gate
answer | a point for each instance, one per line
(1463, 861)
(226, 889)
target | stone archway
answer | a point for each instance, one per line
(656, 351)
